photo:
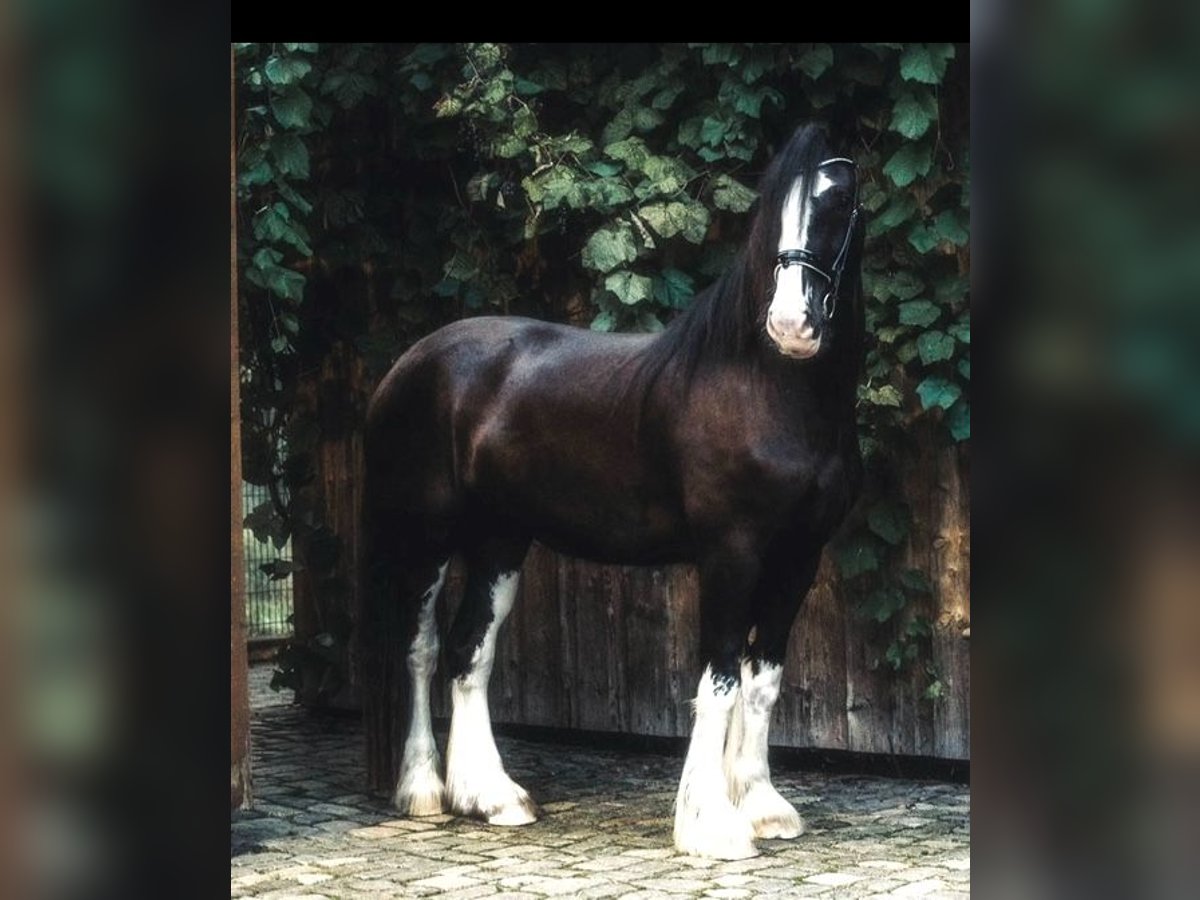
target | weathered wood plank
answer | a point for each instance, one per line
(811, 711)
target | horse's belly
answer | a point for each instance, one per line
(613, 526)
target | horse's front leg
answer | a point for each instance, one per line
(706, 822)
(780, 594)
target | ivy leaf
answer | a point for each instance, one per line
(603, 169)
(291, 155)
(919, 312)
(937, 391)
(645, 119)
(884, 395)
(817, 60)
(732, 195)
(527, 88)
(913, 113)
(260, 172)
(604, 321)
(629, 287)
(922, 238)
(907, 163)
(958, 420)
(961, 331)
(266, 258)
(618, 127)
(719, 54)
(902, 284)
(925, 63)
(688, 218)
(632, 151)
(347, 87)
(964, 368)
(285, 283)
(890, 520)
(284, 70)
(948, 227)
(898, 211)
(508, 147)
(934, 346)
(952, 289)
(524, 122)
(665, 176)
(712, 131)
(673, 288)
(292, 108)
(856, 555)
(609, 247)
(664, 98)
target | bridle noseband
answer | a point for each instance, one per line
(804, 257)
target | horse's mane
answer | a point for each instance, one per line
(724, 320)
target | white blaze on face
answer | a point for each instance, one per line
(787, 317)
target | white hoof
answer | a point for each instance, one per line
(769, 814)
(717, 832)
(420, 791)
(500, 802)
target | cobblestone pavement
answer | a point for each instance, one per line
(313, 832)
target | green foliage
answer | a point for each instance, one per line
(488, 177)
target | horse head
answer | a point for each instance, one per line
(816, 255)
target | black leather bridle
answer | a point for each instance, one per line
(805, 257)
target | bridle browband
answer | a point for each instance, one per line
(805, 257)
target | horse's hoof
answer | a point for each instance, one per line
(719, 835)
(503, 802)
(717, 846)
(420, 792)
(769, 814)
(523, 811)
(786, 827)
(428, 803)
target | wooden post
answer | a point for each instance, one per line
(239, 697)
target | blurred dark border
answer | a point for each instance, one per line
(120, 507)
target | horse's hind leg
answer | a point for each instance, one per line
(419, 788)
(746, 767)
(476, 783)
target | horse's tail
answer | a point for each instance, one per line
(381, 657)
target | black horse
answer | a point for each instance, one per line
(727, 441)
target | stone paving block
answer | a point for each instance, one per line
(833, 879)
(446, 882)
(920, 888)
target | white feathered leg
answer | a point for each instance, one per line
(419, 789)
(746, 767)
(706, 822)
